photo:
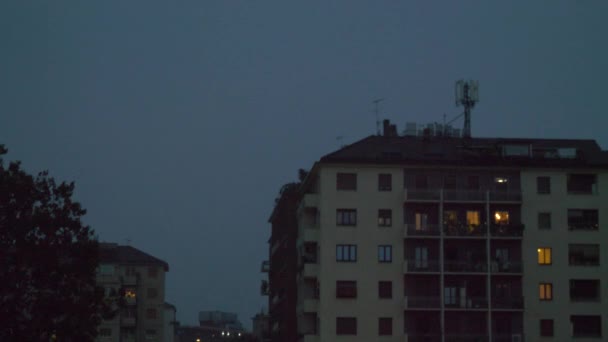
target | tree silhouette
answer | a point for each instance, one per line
(48, 260)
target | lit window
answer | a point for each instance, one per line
(384, 217)
(473, 218)
(545, 291)
(500, 180)
(130, 293)
(501, 217)
(544, 256)
(421, 221)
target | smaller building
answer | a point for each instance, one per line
(170, 326)
(261, 327)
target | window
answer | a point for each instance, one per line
(584, 254)
(582, 184)
(151, 313)
(422, 182)
(584, 290)
(130, 271)
(385, 289)
(545, 291)
(450, 218)
(385, 182)
(385, 253)
(543, 185)
(546, 327)
(421, 221)
(346, 326)
(346, 217)
(106, 270)
(583, 219)
(449, 182)
(501, 217)
(473, 218)
(586, 325)
(449, 294)
(346, 289)
(130, 293)
(105, 332)
(421, 258)
(346, 253)
(152, 292)
(152, 272)
(385, 326)
(385, 217)
(346, 181)
(544, 256)
(473, 183)
(544, 220)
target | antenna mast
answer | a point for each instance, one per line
(377, 111)
(467, 95)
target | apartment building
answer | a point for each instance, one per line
(437, 238)
(139, 278)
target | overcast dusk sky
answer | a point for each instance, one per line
(180, 121)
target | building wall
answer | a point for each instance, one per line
(557, 238)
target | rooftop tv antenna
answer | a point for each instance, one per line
(377, 111)
(467, 95)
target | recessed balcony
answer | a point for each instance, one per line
(422, 302)
(426, 230)
(420, 266)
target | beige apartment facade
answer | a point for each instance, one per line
(438, 239)
(139, 279)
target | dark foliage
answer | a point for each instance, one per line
(48, 260)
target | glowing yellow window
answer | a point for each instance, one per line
(501, 217)
(130, 293)
(545, 291)
(544, 256)
(473, 218)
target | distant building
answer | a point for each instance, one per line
(441, 239)
(222, 321)
(261, 327)
(170, 325)
(140, 278)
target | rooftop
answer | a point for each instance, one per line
(127, 255)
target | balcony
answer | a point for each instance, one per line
(265, 266)
(309, 270)
(510, 230)
(466, 337)
(414, 195)
(464, 196)
(461, 266)
(464, 230)
(461, 195)
(264, 289)
(127, 321)
(130, 279)
(309, 235)
(309, 201)
(418, 266)
(509, 303)
(506, 196)
(422, 337)
(422, 302)
(412, 230)
(308, 305)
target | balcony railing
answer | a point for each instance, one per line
(512, 337)
(507, 303)
(462, 195)
(426, 302)
(507, 267)
(505, 196)
(465, 266)
(411, 229)
(510, 230)
(466, 337)
(422, 337)
(462, 229)
(466, 302)
(417, 265)
(265, 266)
(422, 195)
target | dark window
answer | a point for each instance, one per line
(385, 253)
(583, 219)
(346, 253)
(546, 327)
(544, 220)
(385, 289)
(385, 182)
(473, 182)
(346, 326)
(385, 326)
(545, 291)
(346, 181)
(151, 313)
(584, 254)
(422, 182)
(582, 184)
(152, 272)
(584, 290)
(152, 292)
(385, 217)
(543, 185)
(346, 217)
(586, 325)
(449, 182)
(346, 289)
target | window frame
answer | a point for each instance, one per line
(383, 219)
(383, 256)
(543, 185)
(346, 217)
(385, 182)
(385, 289)
(544, 250)
(346, 253)
(546, 329)
(346, 326)
(346, 289)
(385, 326)
(545, 292)
(586, 334)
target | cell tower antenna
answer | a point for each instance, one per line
(377, 112)
(467, 95)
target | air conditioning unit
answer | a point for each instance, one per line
(516, 338)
